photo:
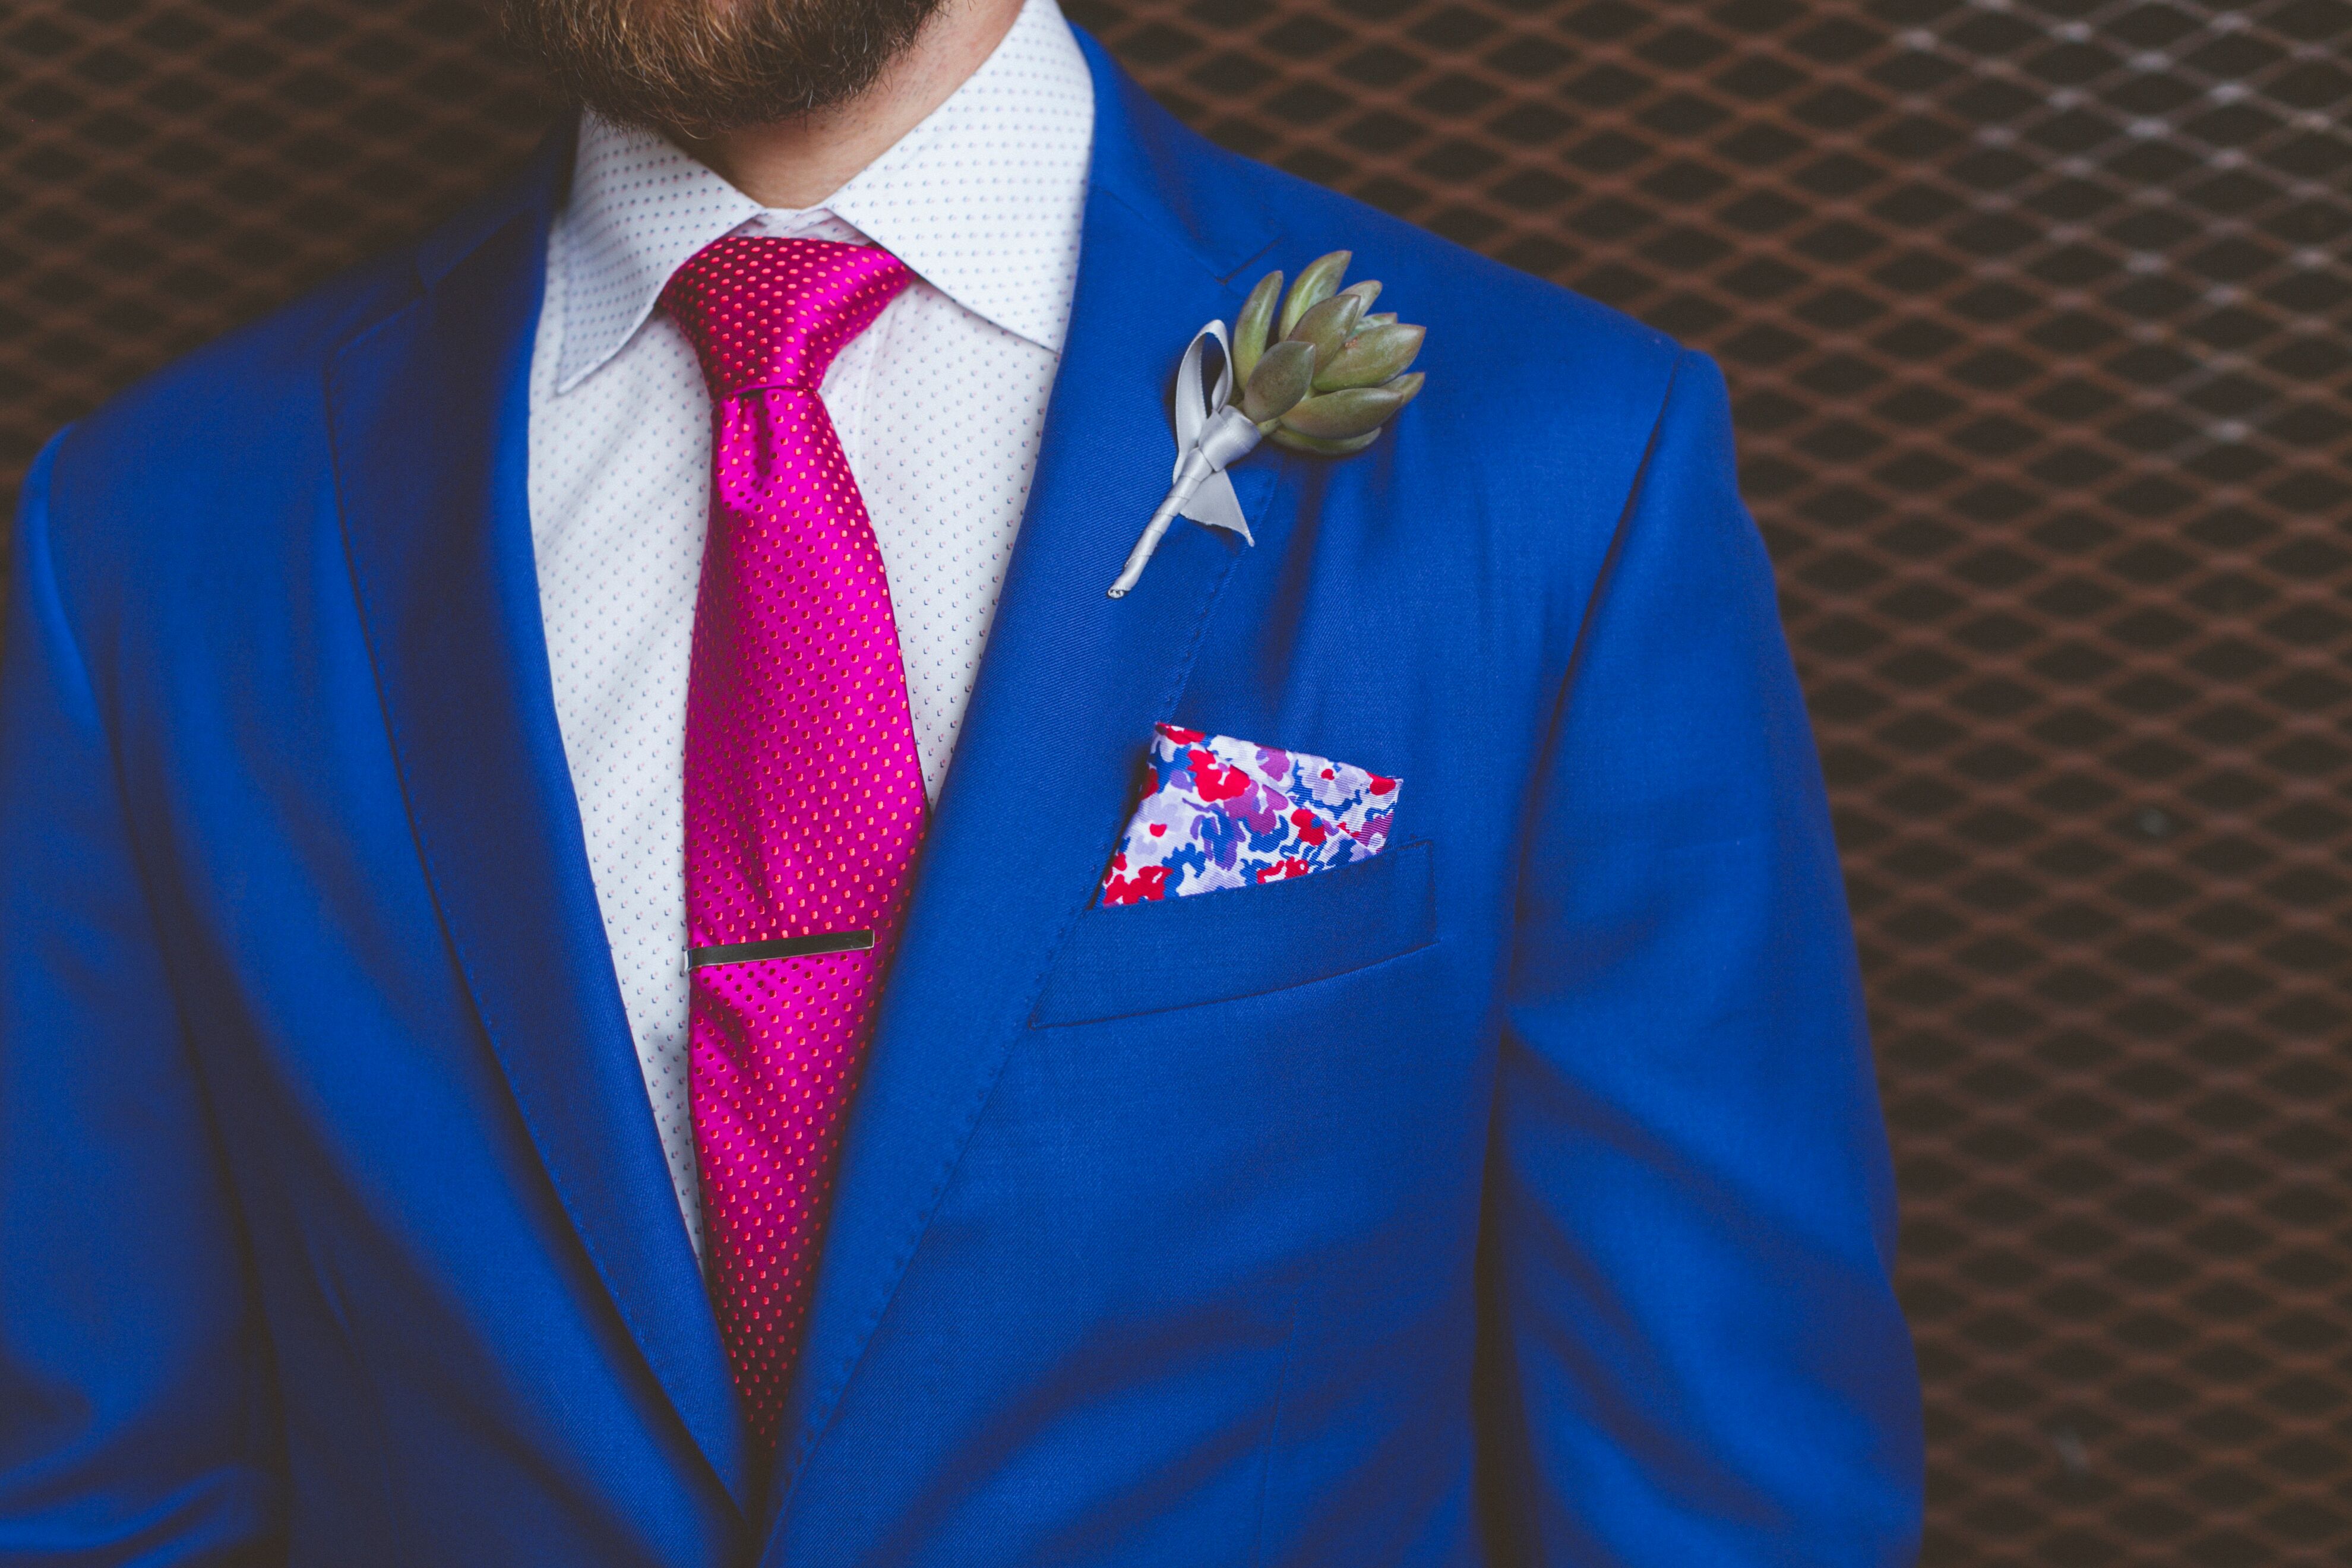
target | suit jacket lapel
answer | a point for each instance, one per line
(1066, 696)
(429, 412)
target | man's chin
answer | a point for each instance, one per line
(694, 69)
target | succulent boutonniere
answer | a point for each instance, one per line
(1327, 375)
(1322, 377)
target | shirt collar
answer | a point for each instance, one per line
(984, 200)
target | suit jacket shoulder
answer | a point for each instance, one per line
(1541, 406)
(1531, 338)
(188, 464)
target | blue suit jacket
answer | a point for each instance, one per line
(1519, 1195)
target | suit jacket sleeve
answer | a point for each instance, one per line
(134, 1416)
(1691, 1350)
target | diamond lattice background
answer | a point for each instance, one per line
(2036, 313)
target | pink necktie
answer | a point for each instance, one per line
(804, 792)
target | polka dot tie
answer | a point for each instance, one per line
(804, 793)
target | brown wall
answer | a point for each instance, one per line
(2036, 313)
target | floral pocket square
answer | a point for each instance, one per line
(1223, 813)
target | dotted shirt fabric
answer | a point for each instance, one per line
(939, 407)
(803, 794)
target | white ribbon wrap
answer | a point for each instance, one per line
(1206, 444)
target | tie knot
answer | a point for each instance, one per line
(765, 313)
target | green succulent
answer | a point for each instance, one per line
(1322, 375)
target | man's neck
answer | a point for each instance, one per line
(798, 163)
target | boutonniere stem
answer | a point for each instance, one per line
(1333, 377)
(1206, 444)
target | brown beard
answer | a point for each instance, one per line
(696, 68)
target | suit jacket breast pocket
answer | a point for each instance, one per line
(1125, 959)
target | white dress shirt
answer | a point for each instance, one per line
(940, 405)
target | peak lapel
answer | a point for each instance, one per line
(429, 412)
(1066, 694)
